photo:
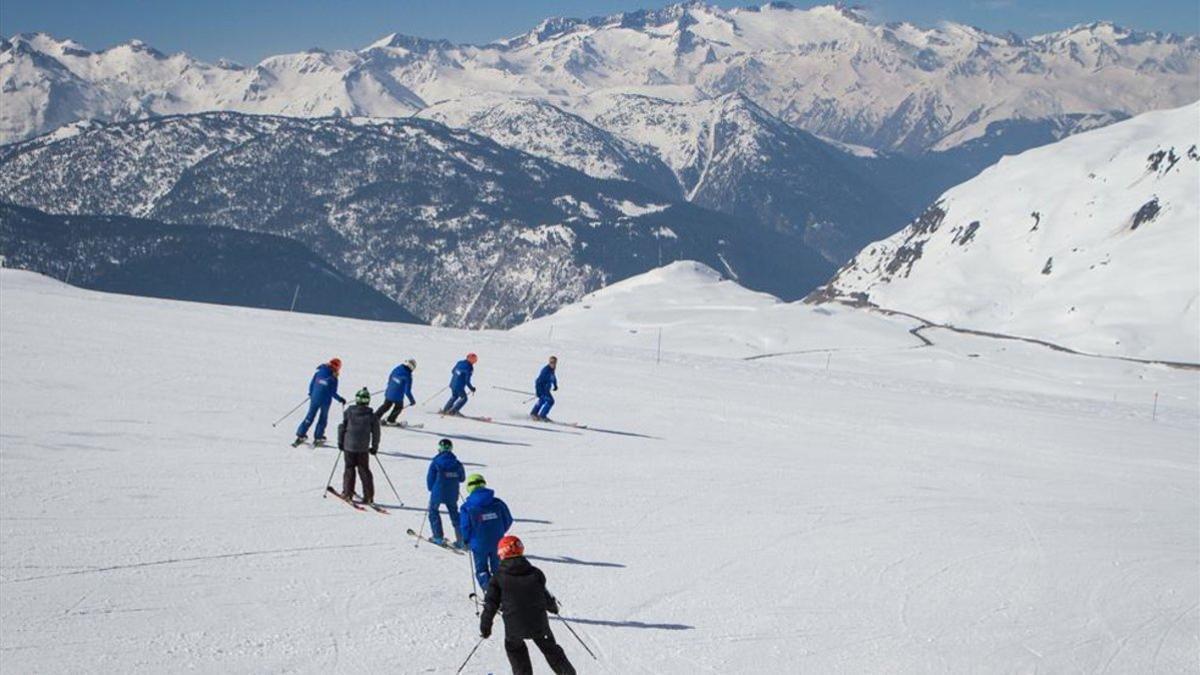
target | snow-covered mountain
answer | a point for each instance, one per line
(1092, 242)
(460, 230)
(829, 70)
(543, 129)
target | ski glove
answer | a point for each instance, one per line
(472, 390)
(374, 451)
(485, 631)
(552, 605)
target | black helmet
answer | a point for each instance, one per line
(445, 445)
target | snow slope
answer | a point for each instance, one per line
(829, 69)
(963, 515)
(1091, 242)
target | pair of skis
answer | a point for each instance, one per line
(443, 545)
(355, 504)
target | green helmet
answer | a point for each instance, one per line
(363, 396)
(475, 481)
(445, 445)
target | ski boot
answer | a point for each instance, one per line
(319, 441)
(300, 440)
(440, 541)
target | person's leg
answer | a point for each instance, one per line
(452, 507)
(481, 569)
(493, 562)
(462, 400)
(518, 657)
(387, 403)
(555, 656)
(435, 518)
(397, 408)
(547, 404)
(302, 430)
(322, 420)
(537, 405)
(348, 474)
(454, 394)
(368, 481)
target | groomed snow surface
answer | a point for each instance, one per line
(971, 506)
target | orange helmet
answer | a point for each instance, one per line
(471, 358)
(510, 547)
(335, 363)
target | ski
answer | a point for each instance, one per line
(348, 502)
(448, 547)
(403, 425)
(573, 425)
(466, 417)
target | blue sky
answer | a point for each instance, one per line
(247, 31)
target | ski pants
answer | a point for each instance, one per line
(518, 656)
(395, 406)
(458, 398)
(543, 405)
(435, 518)
(362, 462)
(321, 412)
(486, 564)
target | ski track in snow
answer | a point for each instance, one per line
(906, 510)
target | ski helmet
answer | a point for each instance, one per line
(411, 363)
(472, 358)
(475, 481)
(445, 445)
(363, 396)
(335, 363)
(510, 547)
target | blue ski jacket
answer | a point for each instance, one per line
(323, 387)
(545, 380)
(444, 476)
(460, 377)
(400, 385)
(483, 520)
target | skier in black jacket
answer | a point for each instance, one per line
(358, 438)
(518, 592)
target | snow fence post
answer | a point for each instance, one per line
(1154, 412)
(294, 296)
(658, 350)
(828, 357)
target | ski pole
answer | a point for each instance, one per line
(389, 480)
(581, 642)
(329, 481)
(439, 393)
(421, 532)
(529, 399)
(464, 663)
(474, 588)
(289, 413)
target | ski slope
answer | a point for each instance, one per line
(908, 509)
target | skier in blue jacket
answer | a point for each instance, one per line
(442, 480)
(322, 392)
(483, 521)
(399, 387)
(460, 382)
(541, 386)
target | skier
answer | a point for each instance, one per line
(482, 521)
(399, 386)
(460, 382)
(541, 386)
(358, 439)
(322, 392)
(518, 592)
(442, 480)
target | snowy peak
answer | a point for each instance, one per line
(830, 70)
(1090, 242)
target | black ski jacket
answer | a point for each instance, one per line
(518, 591)
(359, 430)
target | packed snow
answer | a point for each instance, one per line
(1091, 242)
(972, 506)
